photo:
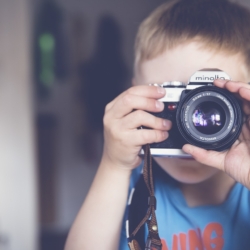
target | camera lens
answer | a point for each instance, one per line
(208, 117)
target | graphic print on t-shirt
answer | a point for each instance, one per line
(210, 239)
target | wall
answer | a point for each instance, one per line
(74, 173)
(18, 190)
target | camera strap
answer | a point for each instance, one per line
(153, 240)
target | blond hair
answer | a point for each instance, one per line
(218, 24)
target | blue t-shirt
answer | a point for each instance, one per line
(211, 227)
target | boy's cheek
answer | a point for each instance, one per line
(134, 83)
(137, 82)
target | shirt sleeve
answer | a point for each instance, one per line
(123, 240)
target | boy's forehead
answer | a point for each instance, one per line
(182, 61)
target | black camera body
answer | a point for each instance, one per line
(201, 113)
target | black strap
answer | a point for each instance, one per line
(153, 239)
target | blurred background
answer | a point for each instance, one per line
(61, 62)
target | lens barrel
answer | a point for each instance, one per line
(209, 117)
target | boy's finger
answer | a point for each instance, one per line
(129, 102)
(140, 118)
(147, 136)
(228, 84)
(245, 93)
(147, 91)
(232, 86)
(141, 90)
(210, 158)
(241, 88)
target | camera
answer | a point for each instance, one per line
(201, 113)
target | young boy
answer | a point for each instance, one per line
(204, 202)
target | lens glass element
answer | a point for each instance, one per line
(208, 117)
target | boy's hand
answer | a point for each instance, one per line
(123, 116)
(236, 160)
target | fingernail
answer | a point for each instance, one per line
(187, 149)
(166, 123)
(165, 134)
(159, 105)
(161, 90)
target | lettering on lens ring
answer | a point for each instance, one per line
(208, 139)
(197, 97)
